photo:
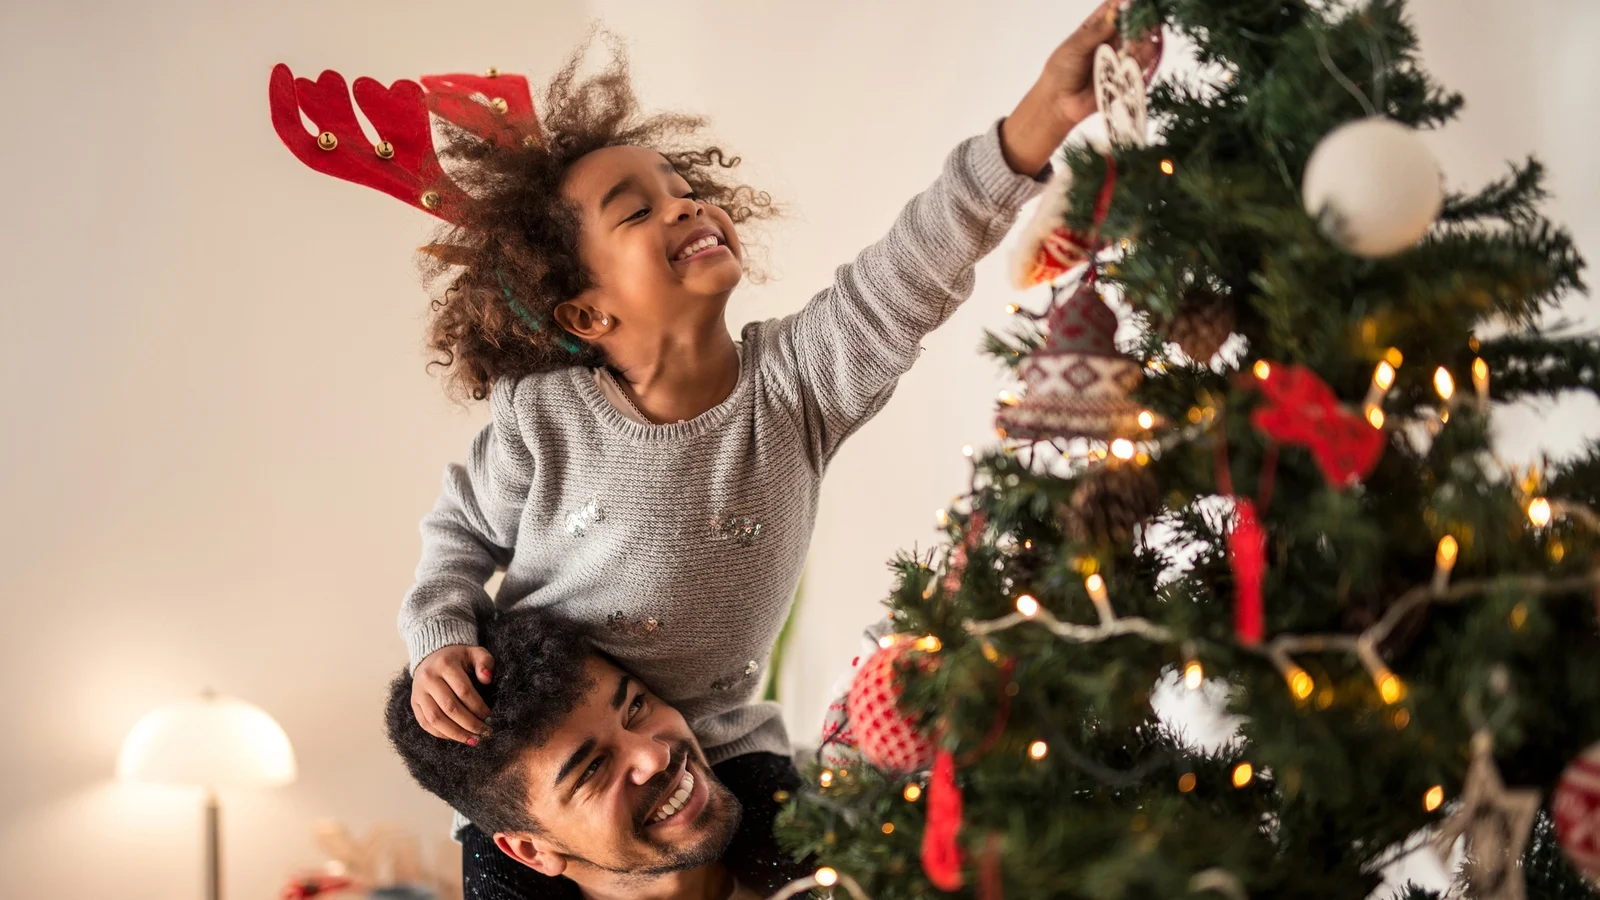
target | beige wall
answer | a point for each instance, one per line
(220, 433)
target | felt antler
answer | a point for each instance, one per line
(505, 116)
(402, 164)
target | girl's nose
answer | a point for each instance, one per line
(686, 208)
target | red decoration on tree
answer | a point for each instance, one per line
(886, 736)
(941, 854)
(316, 886)
(1304, 411)
(1576, 807)
(1247, 555)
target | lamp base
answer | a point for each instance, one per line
(213, 847)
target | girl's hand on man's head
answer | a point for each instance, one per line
(446, 703)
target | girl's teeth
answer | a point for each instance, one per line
(704, 243)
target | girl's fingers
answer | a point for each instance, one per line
(450, 705)
(435, 722)
(459, 682)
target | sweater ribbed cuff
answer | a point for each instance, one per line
(427, 635)
(768, 737)
(1000, 186)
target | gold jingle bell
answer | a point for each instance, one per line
(492, 73)
(327, 140)
(430, 200)
(384, 149)
(499, 104)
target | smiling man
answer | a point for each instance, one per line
(588, 779)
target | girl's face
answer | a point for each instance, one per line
(659, 258)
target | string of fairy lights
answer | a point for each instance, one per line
(1281, 649)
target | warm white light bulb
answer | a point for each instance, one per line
(1444, 384)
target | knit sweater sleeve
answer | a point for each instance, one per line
(470, 532)
(844, 351)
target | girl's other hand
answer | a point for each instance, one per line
(443, 697)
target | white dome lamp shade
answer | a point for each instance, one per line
(209, 742)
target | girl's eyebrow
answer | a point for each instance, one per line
(627, 184)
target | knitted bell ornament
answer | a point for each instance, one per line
(1077, 383)
(886, 736)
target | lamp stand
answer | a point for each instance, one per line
(213, 847)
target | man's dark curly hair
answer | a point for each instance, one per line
(538, 680)
(512, 256)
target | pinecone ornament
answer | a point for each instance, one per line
(1110, 502)
(1077, 383)
(1204, 320)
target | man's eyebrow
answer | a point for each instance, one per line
(617, 190)
(621, 694)
(575, 760)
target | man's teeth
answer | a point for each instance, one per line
(704, 243)
(678, 800)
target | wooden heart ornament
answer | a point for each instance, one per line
(1119, 92)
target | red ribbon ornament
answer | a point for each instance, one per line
(941, 855)
(1247, 555)
(1304, 411)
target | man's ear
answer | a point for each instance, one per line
(581, 320)
(532, 852)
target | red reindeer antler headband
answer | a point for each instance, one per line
(403, 163)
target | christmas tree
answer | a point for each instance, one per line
(1284, 488)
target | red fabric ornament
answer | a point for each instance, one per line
(886, 736)
(1077, 380)
(1304, 411)
(941, 854)
(1247, 556)
(1576, 808)
(408, 169)
(316, 886)
(990, 884)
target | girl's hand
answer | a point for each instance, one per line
(1064, 94)
(446, 703)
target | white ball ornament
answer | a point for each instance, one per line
(1377, 184)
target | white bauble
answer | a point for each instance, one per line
(1378, 184)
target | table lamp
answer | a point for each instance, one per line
(209, 742)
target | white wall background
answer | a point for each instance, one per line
(219, 435)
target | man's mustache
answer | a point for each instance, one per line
(658, 786)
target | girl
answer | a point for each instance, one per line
(644, 471)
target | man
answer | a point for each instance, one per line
(591, 781)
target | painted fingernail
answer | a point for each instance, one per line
(486, 732)
(472, 742)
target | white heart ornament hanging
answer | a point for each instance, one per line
(1119, 92)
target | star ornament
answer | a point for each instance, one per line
(1496, 823)
(1303, 411)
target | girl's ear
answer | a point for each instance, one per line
(583, 321)
(531, 852)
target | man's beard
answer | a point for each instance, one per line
(708, 849)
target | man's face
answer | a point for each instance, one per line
(622, 786)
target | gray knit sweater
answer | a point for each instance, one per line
(682, 544)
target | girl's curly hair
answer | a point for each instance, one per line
(512, 255)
